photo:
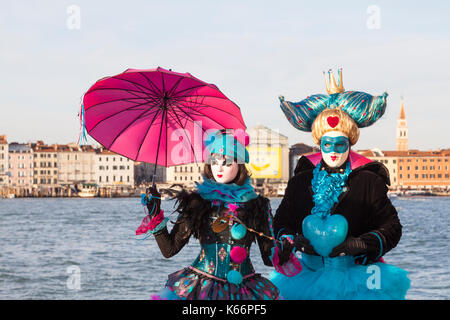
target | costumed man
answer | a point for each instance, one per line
(335, 210)
(226, 216)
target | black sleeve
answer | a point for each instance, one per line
(284, 221)
(265, 244)
(384, 223)
(171, 243)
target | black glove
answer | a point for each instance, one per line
(303, 245)
(285, 250)
(350, 247)
(154, 201)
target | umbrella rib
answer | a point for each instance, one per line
(154, 88)
(133, 92)
(167, 146)
(187, 117)
(190, 143)
(128, 125)
(122, 99)
(145, 135)
(112, 115)
(147, 89)
(200, 114)
(209, 106)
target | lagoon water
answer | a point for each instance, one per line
(71, 248)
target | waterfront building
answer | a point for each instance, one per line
(112, 170)
(76, 164)
(3, 161)
(414, 169)
(45, 167)
(185, 174)
(20, 165)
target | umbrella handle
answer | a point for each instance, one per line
(153, 180)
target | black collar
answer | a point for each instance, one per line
(341, 169)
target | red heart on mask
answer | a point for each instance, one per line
(333, 121)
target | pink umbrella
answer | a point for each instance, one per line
(157, 115)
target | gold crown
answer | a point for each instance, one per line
(331, 85)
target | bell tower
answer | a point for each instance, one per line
(402, 129)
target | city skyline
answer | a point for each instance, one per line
(53, 52)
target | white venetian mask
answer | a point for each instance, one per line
(224, 169)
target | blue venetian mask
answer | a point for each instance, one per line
(334, 144)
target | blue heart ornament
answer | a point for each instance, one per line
(325, 233)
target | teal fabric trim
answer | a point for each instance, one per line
(160, 226)
(381, 245)
(226, 192)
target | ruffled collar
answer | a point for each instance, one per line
(327, 187)
(227, 192)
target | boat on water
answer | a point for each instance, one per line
(88, 190)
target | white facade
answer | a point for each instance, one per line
(185, 174)
(112, 169)
(76, 164)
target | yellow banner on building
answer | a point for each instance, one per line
(265, 162)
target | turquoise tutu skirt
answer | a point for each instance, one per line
(341, 278)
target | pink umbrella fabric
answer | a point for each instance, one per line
(157, 115)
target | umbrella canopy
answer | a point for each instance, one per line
(157, 115)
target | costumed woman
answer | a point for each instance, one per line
(226, 216)
(335, 210)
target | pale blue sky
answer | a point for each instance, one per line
(252, 50)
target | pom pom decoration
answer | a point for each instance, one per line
(238, 254)
(238, 231)
(234, 277)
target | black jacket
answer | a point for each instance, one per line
(364, 204)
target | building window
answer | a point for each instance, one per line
(416, 176)
(409, 176)
(175, 169)
(107, 179)
(100, 179)
(424, 176)
(175, 178)
(424, 167)
(409, 168)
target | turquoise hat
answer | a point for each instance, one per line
(227, 144)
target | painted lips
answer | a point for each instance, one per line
(219, 175)
(333, 158)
